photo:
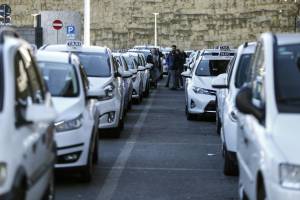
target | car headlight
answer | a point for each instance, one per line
(199, 90)
(3, 173)
(69, 125)
(290, 176)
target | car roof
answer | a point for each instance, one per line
(48, 56)
(216, 57)
(287, 38)
(247, 48)
(63, 47)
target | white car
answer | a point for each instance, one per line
(137, 93)
(227, 86)
(77, 121)
(200, 96)
(268, 134)
(27, 147)
(145, 72)
(102, 72)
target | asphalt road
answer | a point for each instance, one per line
(160, 156)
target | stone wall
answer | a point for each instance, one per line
(188, 23)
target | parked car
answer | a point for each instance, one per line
(200, 96)
(77, 122)
(27, 147)
(127, 82)
(102, 72)
(227, 86)
(137, 93)
(268, 139)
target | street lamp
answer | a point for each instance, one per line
(155, 28)
(87, 21)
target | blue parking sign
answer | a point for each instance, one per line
(70, 30)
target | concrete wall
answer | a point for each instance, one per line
(188, 23)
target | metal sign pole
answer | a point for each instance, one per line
(87, 18)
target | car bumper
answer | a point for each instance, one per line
(72, 147)
(277, 192)
(109, 113)
(201, 103)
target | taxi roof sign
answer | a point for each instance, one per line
(74, 44)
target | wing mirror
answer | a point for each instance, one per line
(186, 74)
(220, 82)
(245, 105)
(126, 74)
(149, 66)
(40, 113)
(96, 93)
(141, 68)
(133, 71)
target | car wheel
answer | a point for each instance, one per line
(189, 116)
(230, 168)
(49, 193)
(19, 191)
(147, 92)
(218, 123)
(261, 192)
(96, 153)
(87, 171)
(129, 106)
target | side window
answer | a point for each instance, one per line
(34, 77)
(258, 76)
(22, 88)
(115, 64)
(230, 69)
(125, 64)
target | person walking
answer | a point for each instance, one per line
(154, 58)
(183, 56)
(173, 62)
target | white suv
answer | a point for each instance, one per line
(78, 118)
(103, 74)
(200, 96)
(227, 86)
(27, 148)
(268, 137)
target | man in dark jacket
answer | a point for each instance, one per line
(173, 61)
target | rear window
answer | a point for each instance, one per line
(61, 79)
(95, 64)
(243, 70)
(1, 80)
(211, 67)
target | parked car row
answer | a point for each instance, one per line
(54, 103)
(256, 100)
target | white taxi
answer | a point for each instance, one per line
(27, 147)
(200, 96)
(268, 133)
(103, 74)
(227, 86)
(77, 121)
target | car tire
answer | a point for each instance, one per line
(147, 92)
(218, 123)
(19, 191)
(189, 116)
(129, 106)
(50, 192)
(87, 171)
(96, 152)
(261, 192)
(230, 168)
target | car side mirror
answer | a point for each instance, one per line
(186, 74)
(149, 66)
(141, 68)
(95, 93)
(126, 74)
(220, 82)
(245, 105)
(133, 71)
(40, 113)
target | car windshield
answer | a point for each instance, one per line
(287, 77)
(129, 61)
(211, 67)
(1, 80)
(61, 79)
(243, 70)
(95, 64)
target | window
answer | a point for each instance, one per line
(95, 64)
(287, 78)
(125, 64)
(115, 65)
(61, 79)
(22, 88)
(243, 71)
(258, 75)
(85, 80)
(34, 77)
(211, 67)
(1, 80)
(230, 69)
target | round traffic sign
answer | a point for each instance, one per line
(57, 24)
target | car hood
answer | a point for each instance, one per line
(286, 136)
(67, 108)
(99, 83)
(203, 82)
